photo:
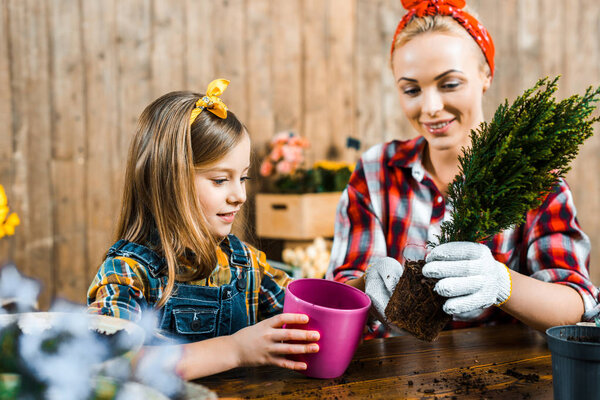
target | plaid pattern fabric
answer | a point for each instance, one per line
(391, 208)
(123, 288)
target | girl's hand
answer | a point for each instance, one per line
(265, 342)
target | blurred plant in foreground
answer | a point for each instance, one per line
(67, 354)
(63, 356)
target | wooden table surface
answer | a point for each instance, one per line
(504, 362)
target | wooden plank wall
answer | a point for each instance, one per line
(75, 74)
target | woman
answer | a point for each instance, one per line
(443, 63)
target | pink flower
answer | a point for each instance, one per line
(284, 167)
(281, 138)
(266, 168)
(298, 141)
(286, 155)
(276, 153)
(292, 154)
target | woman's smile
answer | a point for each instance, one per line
(438, 127)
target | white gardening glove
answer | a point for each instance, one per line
(381, 279)
(469, 275)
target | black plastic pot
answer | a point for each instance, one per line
(575, 361)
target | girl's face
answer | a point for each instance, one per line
(221, 188)
(441, 83)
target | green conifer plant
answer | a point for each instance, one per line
(512, 165)
(516, 159)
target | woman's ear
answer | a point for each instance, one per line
(487, 81)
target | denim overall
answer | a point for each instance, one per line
(194, 313)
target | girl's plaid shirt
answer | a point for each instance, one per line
(391, 208)
(124, 289)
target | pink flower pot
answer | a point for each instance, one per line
(338, 312)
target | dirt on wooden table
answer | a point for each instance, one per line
(508, 361)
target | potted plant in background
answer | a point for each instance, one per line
(298, 203)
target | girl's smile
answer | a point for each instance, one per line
(227, 217)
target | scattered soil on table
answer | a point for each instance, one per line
(530, 378)
(475, 382)
(415, 306)
(583, 339)
(468, 382)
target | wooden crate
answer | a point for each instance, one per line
(296, 216)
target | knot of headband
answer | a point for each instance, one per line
(211, 100)
(454, 9)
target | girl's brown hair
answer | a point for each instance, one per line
(160, 206)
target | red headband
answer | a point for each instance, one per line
(453, 8)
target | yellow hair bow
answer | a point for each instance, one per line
(211, 100)
(7, 224)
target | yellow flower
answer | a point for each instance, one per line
(333, 165)
(3, 212)
(8, 222)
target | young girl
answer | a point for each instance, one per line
(443, 62)
(185, 182)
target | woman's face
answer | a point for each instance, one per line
(441, 83)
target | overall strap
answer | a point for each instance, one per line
(240, 259)
(238, 255)
(141, 254)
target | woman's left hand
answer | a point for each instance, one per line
(469, 275)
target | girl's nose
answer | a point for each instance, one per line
(432, 102)
(238, 193)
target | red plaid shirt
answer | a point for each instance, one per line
(391, 208)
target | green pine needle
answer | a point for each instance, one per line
(516, 159)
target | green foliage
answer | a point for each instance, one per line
(314, 180)
(11, 362)
(516, 159)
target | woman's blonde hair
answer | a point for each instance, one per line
(442, 24)
(160, 206)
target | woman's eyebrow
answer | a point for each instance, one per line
(445, 73)
(406, 79)
(436, 78)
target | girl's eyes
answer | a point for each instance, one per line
(219, 182)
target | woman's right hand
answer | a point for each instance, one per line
(267, 342)
(381, 279)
